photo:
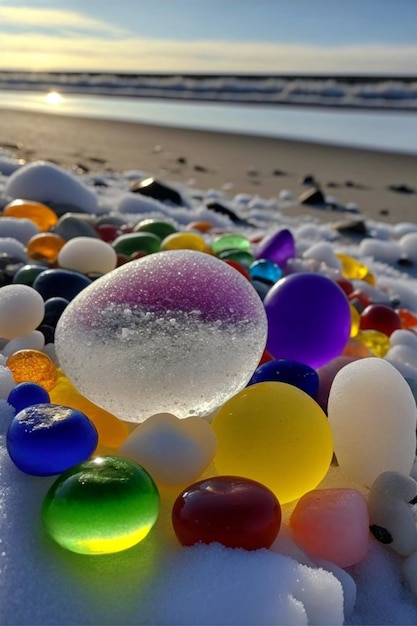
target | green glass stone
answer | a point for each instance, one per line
(105, 505)
(157, 227)
(230, 242)
(26, 275)
(244, 258)
(136, 242)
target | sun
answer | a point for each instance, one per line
(53, 97)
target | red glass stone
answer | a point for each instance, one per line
(380, 317)
(267, 356)
(234, 511)
(108, 232)
(346, 285)
(239, 267)
(360, 296)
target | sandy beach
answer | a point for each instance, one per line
(233, 163)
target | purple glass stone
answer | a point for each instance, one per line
(278, 247)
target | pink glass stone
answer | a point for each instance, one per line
(332, 524)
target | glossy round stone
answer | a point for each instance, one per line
(46, 439)
(230, 241)
(26, 274)
(27, 394)
(44, 217)
(88, 256)
(159, 228)
(45, 247)
(286, 371)
(278, 247)
(243, 257)
(265, 270)
(308, 319)
(60, 283)
(378, 343)
(380, 317)
(184, 241)
(276, 434)
(21, 310)
(101, 506)
(130, 243)
(54, 307)
(234, 511)
(176, 332)
(33, 366)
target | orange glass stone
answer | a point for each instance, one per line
(45, 247)
(111, 431)
(202, 226)
(33, 366)
(408, 319)
(39, 213)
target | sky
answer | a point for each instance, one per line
(218, 36)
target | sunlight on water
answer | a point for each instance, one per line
(54, 98)
(380, 130)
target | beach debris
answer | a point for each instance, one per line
(313, 197)
(219, 207)
(309, 180)
(372, 414)
(158, 190)
(352, 226)
(402, 188)
(278, 172)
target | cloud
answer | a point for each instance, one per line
(24, 16)
(33, 51)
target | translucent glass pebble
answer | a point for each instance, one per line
(372, 414)
(234, 511)
(21, 310)
(278, 247)
(177, 331)
(276, 434)
(33, 366)
(101, 506)
(46, 439)
(27, 394)
(44, 217)
(309, 319)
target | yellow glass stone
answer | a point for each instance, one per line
(376, 342)
(352, 268)
(184, 241)
(356, 320)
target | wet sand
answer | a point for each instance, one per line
(232, 163)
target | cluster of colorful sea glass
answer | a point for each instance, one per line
(222, 353)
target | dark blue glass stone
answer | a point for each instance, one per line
(60, 283)
(54, 307)
(291, 372)
(26, 394)
(48, 439)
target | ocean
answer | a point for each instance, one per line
(360, 112)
